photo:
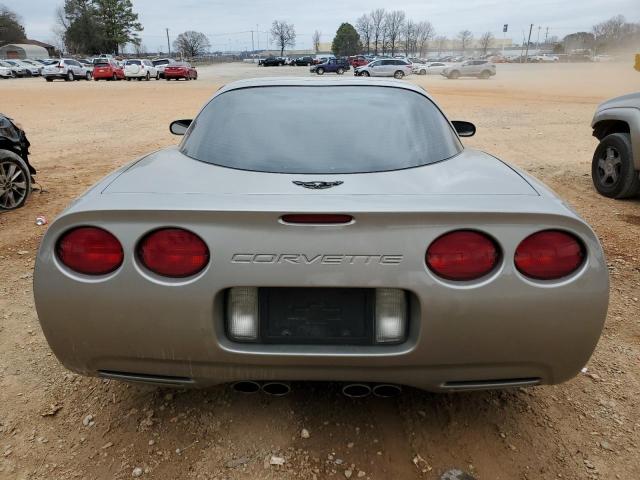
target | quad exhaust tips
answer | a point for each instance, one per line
(362, 390)
(275, 389)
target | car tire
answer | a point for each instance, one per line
(398, 74)
(128, 79)
(70, 77)
(340, 71)
(48, 79)
(20, 181)
(612, 169)
(114, 77)
(87, 76)
(320, 71)
(423, 72)
(485, 74)
(365, 74)
(148, 77)
(453, 75)
(157, 76)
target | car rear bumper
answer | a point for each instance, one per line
(494, 332)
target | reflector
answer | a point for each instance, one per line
(242, 313)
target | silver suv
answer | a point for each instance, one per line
(470, 68)
(615, 168)
(385, 67)
(66, 69)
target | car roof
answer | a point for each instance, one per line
(320, 82)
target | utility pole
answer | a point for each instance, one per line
(546, 36)
(258, 34)
(252, 47)
(538, 40)
(168, 43)
(526, 55)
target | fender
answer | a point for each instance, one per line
(629, 115)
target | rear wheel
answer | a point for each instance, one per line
(15, 181)
(612, 169)
(48, 79)
(454, 75)
(485, 74)
(87, 76)
(340, 71)
(158, 76)
(69, 77)
(423, 72)
(148, 77)
(399, 74)
(114, 77)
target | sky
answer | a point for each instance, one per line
(227, 23)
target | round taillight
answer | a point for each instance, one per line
(173, 252)
(462, 255)
(90, 250)
(549, 255)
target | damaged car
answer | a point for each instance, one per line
(16, 173)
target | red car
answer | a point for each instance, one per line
(180, 70)
(358, 61)
(107, 70)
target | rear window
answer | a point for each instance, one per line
(134, 62)
(102, 64)
(161, 62)
(310, 130)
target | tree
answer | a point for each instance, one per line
(485, 41)
(578, 41)
(377, 24)
(316, 40)
(346, 42)
(424, 33)
(119, 23)
(616, 33)
(393, 22)
(284, 34)
(83, 32)
(441, 42)
(191, 44)
(11, 29)
(409, 32)
(465, 37)
(364, 27)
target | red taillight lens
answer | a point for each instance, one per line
(173, 252)
(549, 255)
(462, 255)
(90, 250)
(317, 218)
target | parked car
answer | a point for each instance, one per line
(303, 61)
(434, 68)
(107, 69)
(272, 62)
(161, 63)
(5, 72)
(470, 68)
(16, 70)
(66, 69)
(332, 65)
(16, 173)
(180, 70)
(411, 259)
(32, 69)
(358, 61)
(615, 168)
(140, 69)
(386, 67)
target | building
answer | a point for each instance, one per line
(23, 50)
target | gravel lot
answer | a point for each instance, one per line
(57, 425)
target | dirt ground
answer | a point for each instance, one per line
(534, 116)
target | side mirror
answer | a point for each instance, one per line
(464, 129)
(179, 127)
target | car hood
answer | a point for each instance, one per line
(468, 173)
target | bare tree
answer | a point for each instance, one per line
(378, 27)
(485, 41)
(364, 27)
(465, 37)
(424, 33)
(409, 31)
(316, 40)
(441, 42)
(283, 34)
(191, 44)
(393, 22)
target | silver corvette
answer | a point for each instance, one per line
(286, 239)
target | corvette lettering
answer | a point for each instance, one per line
(315, 259)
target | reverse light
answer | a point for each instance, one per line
(173, 252)
(90, 250)
(462, 255)
(242, 313)
(390, 315)
(549, 255)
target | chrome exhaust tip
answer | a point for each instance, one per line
(356, 390)
(276, 389)
(386, 390)
(245, 386)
